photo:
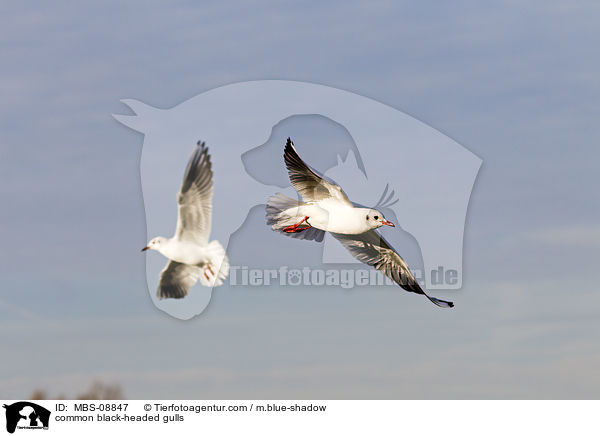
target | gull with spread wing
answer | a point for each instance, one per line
(191, 256)
(326, 208)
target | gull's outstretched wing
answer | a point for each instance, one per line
(310, 185)
(195, 199)
(177, 279)
(372, 249)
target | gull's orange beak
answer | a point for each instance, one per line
(145, 248)
(387, 223)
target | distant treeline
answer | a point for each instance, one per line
(96, 391)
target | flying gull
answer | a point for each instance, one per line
(191, 256)
(326, 208)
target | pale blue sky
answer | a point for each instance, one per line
(516, 84)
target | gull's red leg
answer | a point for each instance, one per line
(208, 269)
(295, 228)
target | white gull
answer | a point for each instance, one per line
(326, 208)
(191, 256)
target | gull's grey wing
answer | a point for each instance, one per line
(176, 280)
(195, 198)
(372, 249)
(310, 185)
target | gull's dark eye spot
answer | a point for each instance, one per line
(367, 217)
(376, 217)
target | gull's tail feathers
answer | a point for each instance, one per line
(216, 271)
(282, 211)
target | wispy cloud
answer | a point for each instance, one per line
(571, 235)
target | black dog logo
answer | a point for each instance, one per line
(31, 413)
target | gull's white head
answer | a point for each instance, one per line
(375, 219)
(155, 244)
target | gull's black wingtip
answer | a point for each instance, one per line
(440, 303)
(289, 149)
(444, 303)
(201, 143)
